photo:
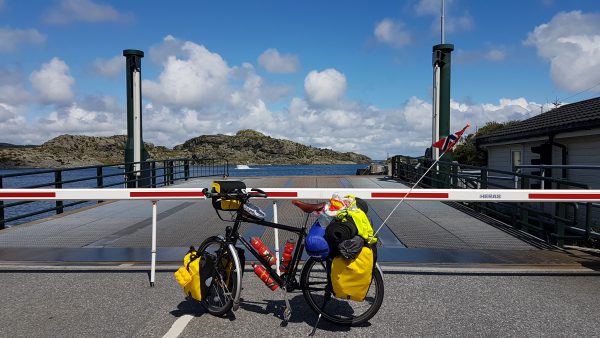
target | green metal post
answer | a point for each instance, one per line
(133, 75)
(153, 171)
(58, 185)
(560, 224)
(99, 179)
(524, 214)
(442, 56)
(454, 178)
(483, 184)
(2, 221)
(186, 169)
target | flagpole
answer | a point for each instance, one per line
(419, 180)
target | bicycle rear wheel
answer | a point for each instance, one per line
(319, 296)
(220, 289)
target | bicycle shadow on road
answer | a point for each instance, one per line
(189, 307)
(301, 312)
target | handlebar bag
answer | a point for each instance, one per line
(226, 187)
(351, 278)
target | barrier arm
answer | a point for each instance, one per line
(154, 195)
(456, 195)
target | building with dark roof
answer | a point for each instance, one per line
(568, 135)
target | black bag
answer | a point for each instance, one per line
(350, 248)
(207, 269)
(226, 187)
(338, 231)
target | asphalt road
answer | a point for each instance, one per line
(121, 304)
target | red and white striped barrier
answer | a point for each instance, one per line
(458, 195)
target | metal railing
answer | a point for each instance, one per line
(553, 222)
(151, 174)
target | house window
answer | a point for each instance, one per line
(516, 158)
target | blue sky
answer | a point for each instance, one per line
(347, 75)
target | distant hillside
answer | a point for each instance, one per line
(73, 151)
(8, 145)
(249, 146)
(246, 146)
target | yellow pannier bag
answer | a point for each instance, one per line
(351, 278)
(188, 276)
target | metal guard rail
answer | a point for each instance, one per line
(153, 174)
(520, 216)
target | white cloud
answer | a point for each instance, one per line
(273, 62)
(10, 39)
(431, 7)
(14, 94)
(109, 67)
(493, 54)
(198, 77)
(505, 110)
(8, 115)
(418, 114)
(69, 11)
(326, 87)
(76, 119)
(392, 33)
(571, 43)
(452, 23)
(53, 82)
(94, 116)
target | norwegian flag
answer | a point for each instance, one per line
(449, 141)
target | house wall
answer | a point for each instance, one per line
(582, 149)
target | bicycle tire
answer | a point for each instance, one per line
(319, 295)
(222, 288)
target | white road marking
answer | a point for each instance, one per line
(178, 326)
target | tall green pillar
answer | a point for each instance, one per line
(135, 151)
(442, 58)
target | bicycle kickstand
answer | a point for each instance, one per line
(287, 312)
(325, 300)
(312, 333)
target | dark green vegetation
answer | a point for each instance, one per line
(247, 146)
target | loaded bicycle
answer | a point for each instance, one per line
(223, 287)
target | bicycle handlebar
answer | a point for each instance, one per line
(254, 192)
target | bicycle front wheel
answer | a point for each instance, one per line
(221, 287)
(319, 296)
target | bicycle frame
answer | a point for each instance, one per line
(232, 236)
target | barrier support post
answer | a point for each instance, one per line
(153, 253)
(276, 237)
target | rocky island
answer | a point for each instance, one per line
(245, 147)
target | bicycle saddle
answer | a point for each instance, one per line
(308, 207)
